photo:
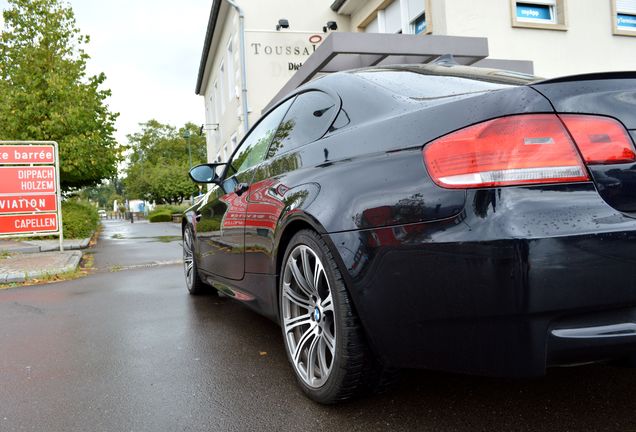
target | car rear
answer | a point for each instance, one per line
(539, 267)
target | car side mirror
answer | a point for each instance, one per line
(205, 173)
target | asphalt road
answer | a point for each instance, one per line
(126, 349)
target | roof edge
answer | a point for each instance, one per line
(214, 15)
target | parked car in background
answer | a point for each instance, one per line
(431, 216)
(102, 213)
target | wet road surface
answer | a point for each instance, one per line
(129, 350)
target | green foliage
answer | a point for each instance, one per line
(169, 208)
(79, 219)
(104, 194)
(160, 217)
(159, 162)
(163, 213)
(47, 95)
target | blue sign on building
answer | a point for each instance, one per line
(420, 24)
(534, 12)
(626, 21)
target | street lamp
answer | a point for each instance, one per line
(186, 135)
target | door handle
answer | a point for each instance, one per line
(241, 188)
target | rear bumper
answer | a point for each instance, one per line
(522, 279)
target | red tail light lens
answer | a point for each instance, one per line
(601, 140)
(523, 149)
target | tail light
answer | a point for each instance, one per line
(601, 140)
(525, 149)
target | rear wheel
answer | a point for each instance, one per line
(194, 283)
(323, 338)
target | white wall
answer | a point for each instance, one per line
(266, 74)
(588, 45)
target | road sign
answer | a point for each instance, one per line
(28, 223)
(30, 189)
(27, 179)
(27, 203)
(20, 154)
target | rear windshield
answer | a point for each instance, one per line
(419, 83)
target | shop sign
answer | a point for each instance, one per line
(534, 12)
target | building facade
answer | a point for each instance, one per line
(275, 38)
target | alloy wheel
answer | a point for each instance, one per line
(188, 257)
(308, 316)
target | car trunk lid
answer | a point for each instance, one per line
(612, 95)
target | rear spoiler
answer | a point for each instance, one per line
(590, 77)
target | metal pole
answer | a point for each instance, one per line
(241, 14)
(189, 151)
(59, 194)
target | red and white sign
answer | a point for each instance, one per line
(26, 154)
(27, 203)
(24, 180)
(29, 189)
(17, 224)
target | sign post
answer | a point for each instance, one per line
(30, 192)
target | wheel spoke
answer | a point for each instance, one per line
(292, 323)
(309, 276)
(295, 297)
(312, 354)
(327, 304)
(318, 270)
(322, 357)
(302, 282)
(311, 331)
(330, 342)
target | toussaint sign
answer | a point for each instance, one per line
(29, 189)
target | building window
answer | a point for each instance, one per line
(233, 142)
(231, 86)
(399, 16)
(416, 13)
(217, 103)
(624, 17)
(221, 94)
(543, 14)
(226, 154)
(393, 18)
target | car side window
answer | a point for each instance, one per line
(307, 120)
(254, 147)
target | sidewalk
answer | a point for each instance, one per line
(35, 259)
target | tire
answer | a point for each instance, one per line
(323, 338)
(194, 283)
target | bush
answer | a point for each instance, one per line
(79, 219)
(163, 213)
(161, 216)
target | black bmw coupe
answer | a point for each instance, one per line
(431, 216)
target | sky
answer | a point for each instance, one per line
(150, 52)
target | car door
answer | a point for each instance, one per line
(221, 220)
(307, 120)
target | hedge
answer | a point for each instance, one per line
(162, 216)
(79, 219)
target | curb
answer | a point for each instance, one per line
(36, 246)
(72, 262)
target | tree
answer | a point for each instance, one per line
(47, 95)
(159, 162)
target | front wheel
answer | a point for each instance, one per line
(323, 338)
(194, 283)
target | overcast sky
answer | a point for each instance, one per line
(150, 52)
